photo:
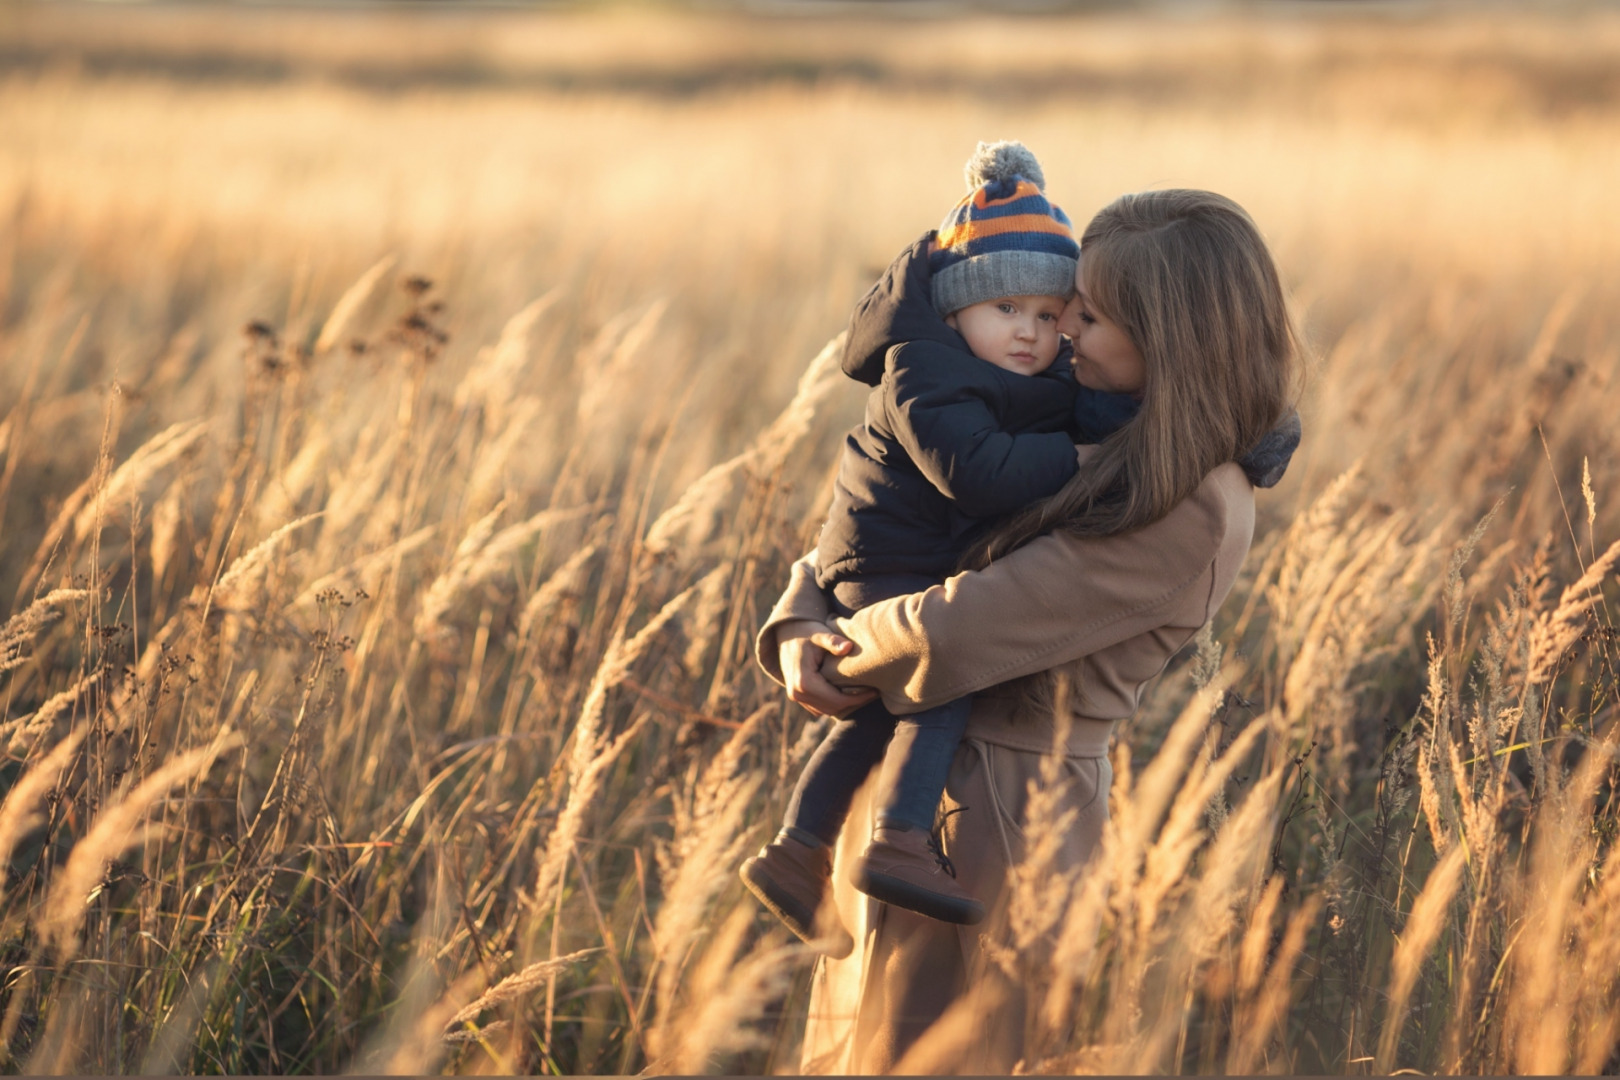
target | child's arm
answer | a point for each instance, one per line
(938, 413)
(1267, 462)
(1098, 413)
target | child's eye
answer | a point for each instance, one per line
(1047, 316)
(1005, 308)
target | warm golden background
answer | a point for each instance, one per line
(403, 649)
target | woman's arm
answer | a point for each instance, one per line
(1052, 601)
(795, 643)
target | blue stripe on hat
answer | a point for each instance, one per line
(1029, 204)
(1000, 189)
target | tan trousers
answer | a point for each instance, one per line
(869, 1010)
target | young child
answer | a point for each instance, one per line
(957, 431)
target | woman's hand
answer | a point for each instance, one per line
(802, 645)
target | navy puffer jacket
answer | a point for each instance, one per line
(948, 440)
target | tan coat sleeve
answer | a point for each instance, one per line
(802, 599)
(1052, 601)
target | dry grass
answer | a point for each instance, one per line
(470, 566)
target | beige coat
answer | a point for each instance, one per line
(1114, 610)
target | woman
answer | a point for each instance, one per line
(1178, 301)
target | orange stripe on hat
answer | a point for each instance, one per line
(967, 231)
(1022, 191)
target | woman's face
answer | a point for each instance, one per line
(1104, 358)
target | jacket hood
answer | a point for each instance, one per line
(898, 309)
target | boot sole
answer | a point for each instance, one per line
(901, 893)
(781, 903)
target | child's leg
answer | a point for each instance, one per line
(790, 874)
(904, 864)
(836, 770)
(917, 762)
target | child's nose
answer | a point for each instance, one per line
(1069, 320)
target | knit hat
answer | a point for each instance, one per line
(1004, 238)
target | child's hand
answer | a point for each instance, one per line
(802, 646)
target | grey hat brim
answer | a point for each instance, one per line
(1002, 273)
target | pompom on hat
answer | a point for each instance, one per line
(1005, 238)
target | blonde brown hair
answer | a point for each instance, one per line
(1186, 275)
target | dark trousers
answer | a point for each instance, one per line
(916, 750)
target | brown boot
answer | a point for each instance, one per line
(790, 877)
(905, 867)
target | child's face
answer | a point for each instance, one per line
(1104, 357)
(1016, 333)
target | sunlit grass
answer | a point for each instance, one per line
(406, 680)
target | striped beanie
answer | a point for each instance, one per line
(1004, 238)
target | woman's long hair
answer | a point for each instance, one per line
(1187, 277)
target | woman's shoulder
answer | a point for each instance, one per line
(1176, 562)
(1181, 559)
(1218, 517)
(1222, 504)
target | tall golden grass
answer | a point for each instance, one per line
(406, 422)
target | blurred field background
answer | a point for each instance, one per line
(407, 416)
